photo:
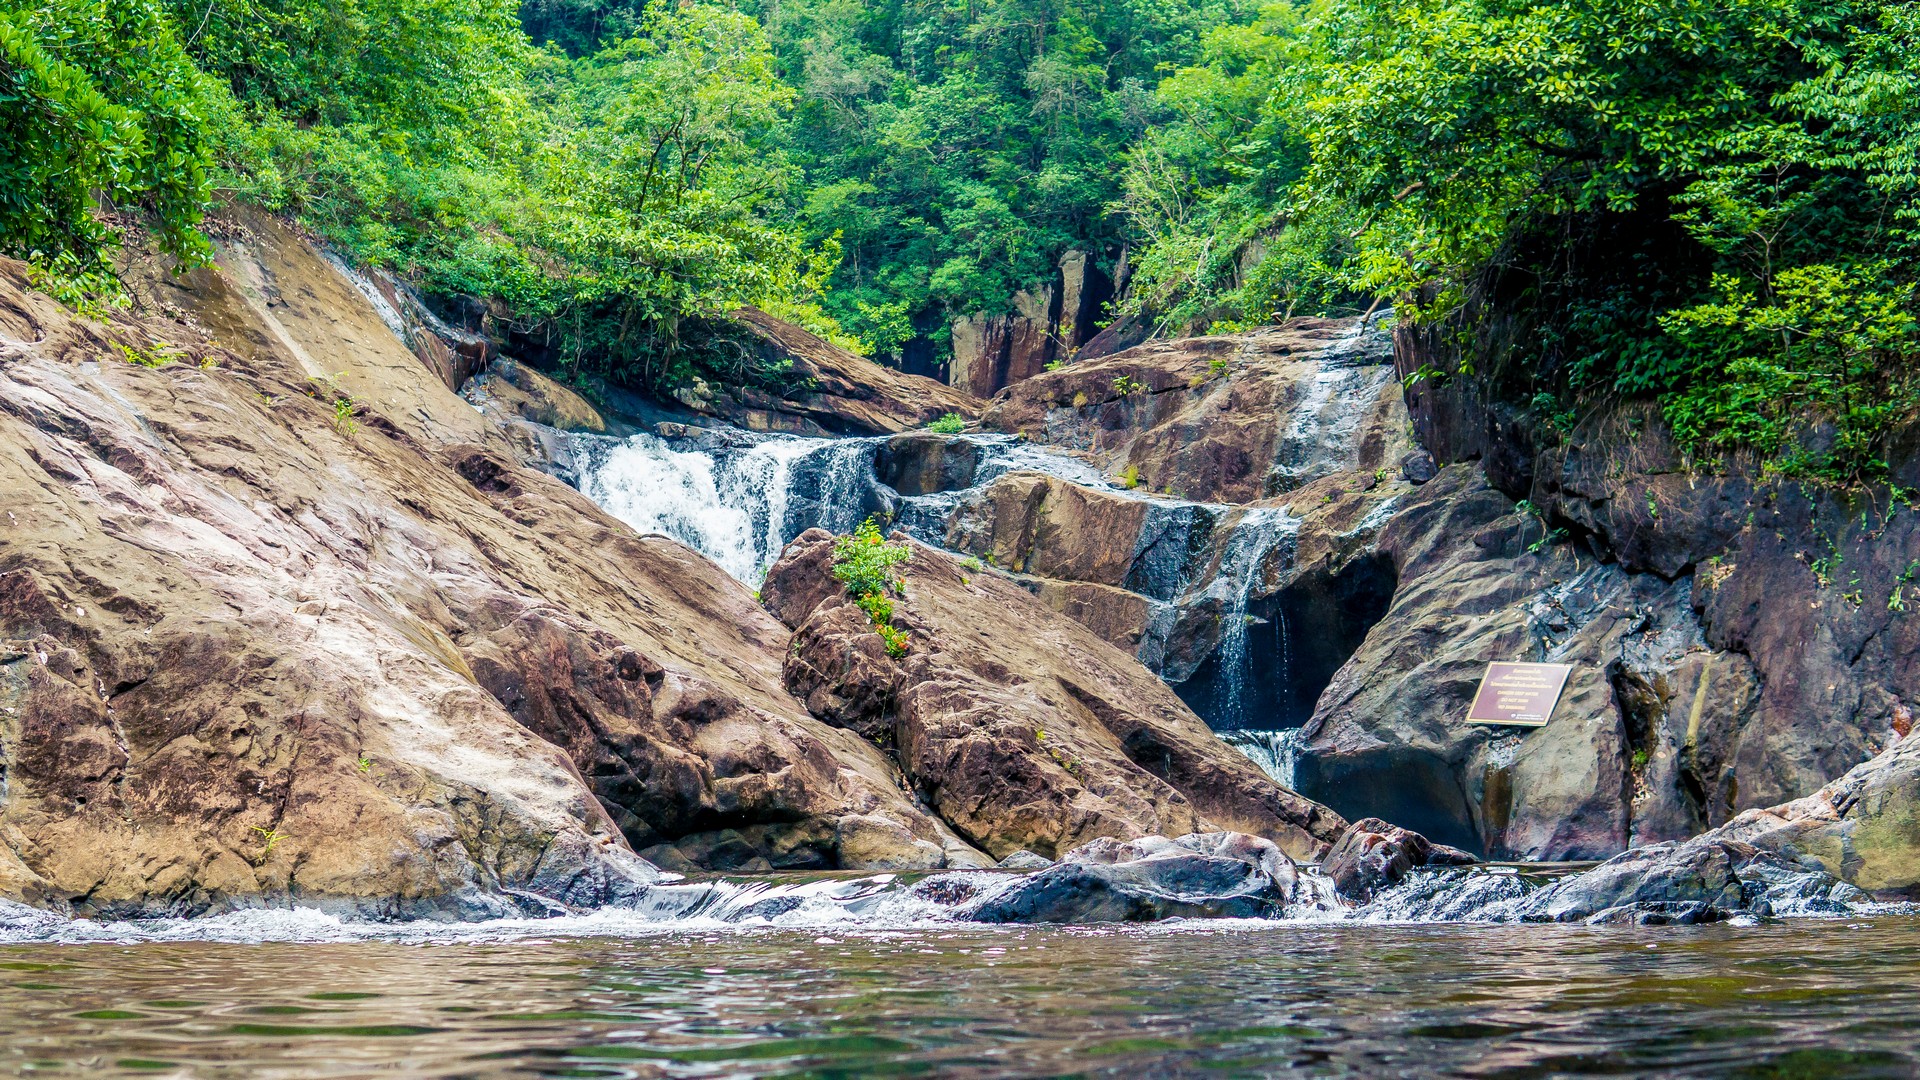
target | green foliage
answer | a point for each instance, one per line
(1130, 477)
(950, 424)
(159, 354)
(1127, 385)
(864, 563)
(960, 149)
(1716, 205)
(97, 100)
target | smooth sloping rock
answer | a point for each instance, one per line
(1208, 875)
(1223, 419)
(267, 635)
(1019, 726)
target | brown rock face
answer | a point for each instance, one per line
(846, 394)
(1019, 726)
(1223, 419)
(296, 626)
(514, 389)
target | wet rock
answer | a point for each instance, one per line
(515, 389)
(1478, 579)
(1707, 878)
(1025, 860)
(1657, 913)
(1372, 855)
(1216, 875)
(1195, 417)
(1019, 726)
(923, 463)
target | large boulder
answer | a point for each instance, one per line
(284, 620)
(1373, 854)
(1636, 750)
(1196, 417)
(1705, 879)
(1208, 875)
(1018, 725)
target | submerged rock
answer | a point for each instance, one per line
(1207, 875)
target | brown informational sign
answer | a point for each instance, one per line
(1518, 693)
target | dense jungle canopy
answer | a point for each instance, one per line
(1714, 204)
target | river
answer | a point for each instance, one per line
(1804, 998)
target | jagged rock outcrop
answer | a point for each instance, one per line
(1478, 580)
(1047, 325)
(1019, 726)
(1767, 644)
(284, 620)
(1223, 419)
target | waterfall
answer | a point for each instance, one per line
(1259, 531)
(735, 504)
(738, 498)
(1274, 751)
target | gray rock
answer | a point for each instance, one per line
(1700, 880)
(1025, 860)
(1203, 875)
(1418, 467)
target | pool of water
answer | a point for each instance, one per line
(1804, 998)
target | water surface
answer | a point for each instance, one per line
(1805, 998)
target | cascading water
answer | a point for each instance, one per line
(735, 504)
(1276, 752)
(738, 498)
(1254, 538)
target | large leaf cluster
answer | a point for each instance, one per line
(97, 101)
(1712, 203)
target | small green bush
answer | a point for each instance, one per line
(951, 424)
(864, 563)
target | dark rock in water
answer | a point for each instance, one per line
(923, 463)
(1204, 875)
(1025, 860)
(1657, 913)
(1374, 854)
(1700, 880)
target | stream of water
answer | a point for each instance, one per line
(1805, 999)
